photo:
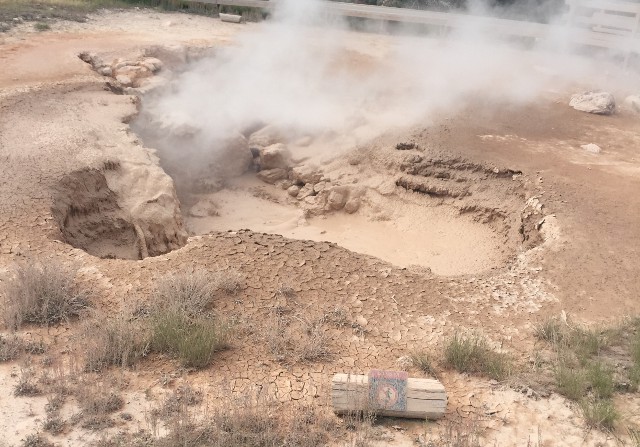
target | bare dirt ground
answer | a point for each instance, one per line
(548, 228)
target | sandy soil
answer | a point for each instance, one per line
(58, 119)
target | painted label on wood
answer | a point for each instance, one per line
(388, 390)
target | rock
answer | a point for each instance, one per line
(633, 102)
(352, 205)
(362, 321)
(233, 158)
(305, 191)
(272, 175)
(275, 156)
(593, 148)
(336, 200)
(600, 103)
(204, 208)
(293, 190)
(265, 137)
(152, 64)
(319, 187)
(87, 57)
(124, 80)
(304, 174)
(105, 71)
(284, 184)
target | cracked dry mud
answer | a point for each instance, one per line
(542, 227)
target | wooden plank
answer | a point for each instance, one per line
(425, 398)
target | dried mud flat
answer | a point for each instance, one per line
(540, 226)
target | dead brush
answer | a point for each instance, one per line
(43, 294)
(96, 406)
(11, 347)
(121, 341)
(27, 384)
(293, 339)
(253, 420)
(177, 401)
(195, 292)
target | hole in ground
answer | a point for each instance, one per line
(402, 232)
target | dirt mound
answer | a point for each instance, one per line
(90, 218)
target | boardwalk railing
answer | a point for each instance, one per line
(612, 24)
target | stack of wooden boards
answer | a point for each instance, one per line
(389, 393)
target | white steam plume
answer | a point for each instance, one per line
(309, 78)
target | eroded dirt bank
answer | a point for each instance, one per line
(72, 169)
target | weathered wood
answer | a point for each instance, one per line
(232, 18)
(425, 398)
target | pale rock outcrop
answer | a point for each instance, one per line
(600, 103)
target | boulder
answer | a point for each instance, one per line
(336, 200)
(204, 208)
(124, 80)
(633, 103)
(304, 174)
(266, 137)
(275, 156)
(593, 148)
(352, 205)
(271, 176)
(600, 103)
(293, 190)
(305, 191)
(233, 157)
(153, 64)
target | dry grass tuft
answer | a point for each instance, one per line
(42, 294)
(120, 341)
(36, 440)
(97, 405)
(293, 339)
(473, 355)
(27, 383)
(424, 362)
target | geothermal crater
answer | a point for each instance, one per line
(396, 199)
(399, 202)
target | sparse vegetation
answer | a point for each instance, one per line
(460, 433)
(26, 385)
(11, 347)
(118, 341)
(599, 413)
(424, 362)
(42, 294)
(41, 26)
(193, 340)
(292, 339)
(585, 369)
(97, 405)
(572, 383)
(36, 440)
(472, 354)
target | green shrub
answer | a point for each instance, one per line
(600, 379)
(43, 295)
(572, 382)
(599, 413)
(473, 355)
(551, 330)
(193, 340)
